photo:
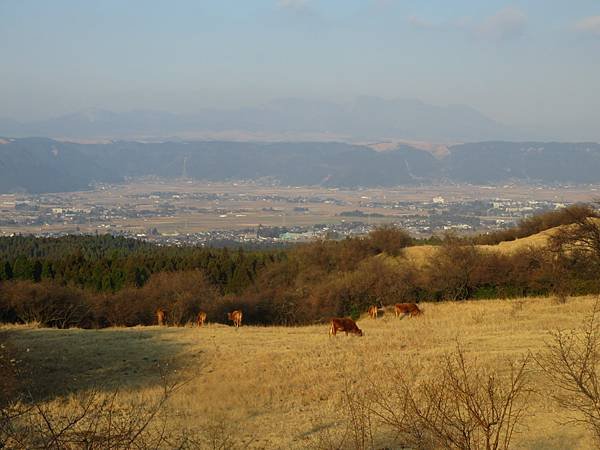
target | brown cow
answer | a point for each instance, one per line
(344, 324)
(201, 318)
(161, 317)
(373, 312)
(235, 317)
(407, 309)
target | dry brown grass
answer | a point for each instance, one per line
(277, 387)
(420, 254)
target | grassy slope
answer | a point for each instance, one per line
(419, 254)
(280, 386)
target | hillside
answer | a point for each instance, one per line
(421, 253)
(276, 387)
(46, 165)
(107, 281)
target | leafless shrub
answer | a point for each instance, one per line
(91, 420)
(358, 424)
(560, 298)
(47, 304)
(479, 316)
(465, 406)
(582, 235)
(516, 307)
(572, 364)
(218, 433)
(453, 269)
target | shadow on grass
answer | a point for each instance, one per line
(54, 363)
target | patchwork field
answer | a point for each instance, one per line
(276, 387)
(199, 206)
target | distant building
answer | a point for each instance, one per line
(438, 200)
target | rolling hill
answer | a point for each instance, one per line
(421, 253)
(289, 382)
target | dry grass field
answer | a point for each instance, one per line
(276, 387)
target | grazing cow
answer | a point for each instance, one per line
(373, 312)
(235, 317)
(407, 309)
(161, 317)
(201, 318)
(344, 324)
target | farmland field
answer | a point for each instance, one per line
(281, 387)
(199, 206)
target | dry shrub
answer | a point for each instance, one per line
(90, 420)
(47, 303)
(516, 307)
(218, 433)
(181, 294)
(9, 382)
(452, 270)
(10, 385)
(464, 406)
(572, 364)
(98, 420)
(357, 425)
(389, 239)
(560, 298)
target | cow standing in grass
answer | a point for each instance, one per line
(161, 317)
(345, 325)
(407, 309)
(235, 317)
(201, 318)
(373, 312)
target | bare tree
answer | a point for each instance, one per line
(572, 364)
(466, 406)
(94, 420)
(581, 236)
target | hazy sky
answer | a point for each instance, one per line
(533, 64)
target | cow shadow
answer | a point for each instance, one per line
(55, 363)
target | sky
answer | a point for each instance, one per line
(529, 64)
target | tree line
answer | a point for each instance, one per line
(99, 281)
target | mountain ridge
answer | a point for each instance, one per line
(47, 165)
(363, 118)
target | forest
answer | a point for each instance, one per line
(101, 281)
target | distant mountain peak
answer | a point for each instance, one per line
(366, 117)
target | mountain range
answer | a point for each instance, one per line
(46, 165)
(364, 118)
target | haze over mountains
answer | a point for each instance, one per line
(364, 118)
(46, 165)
